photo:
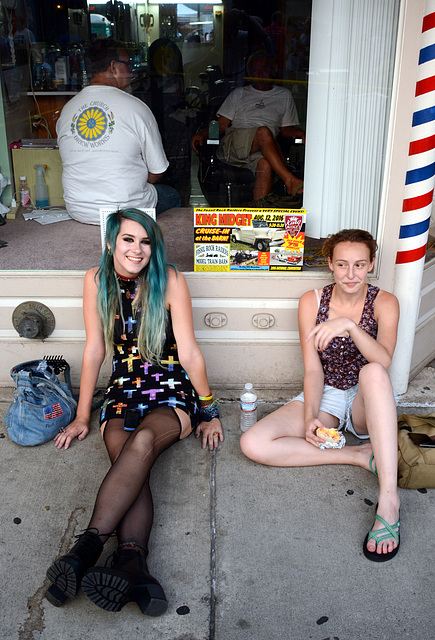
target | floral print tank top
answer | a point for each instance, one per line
(342, 360)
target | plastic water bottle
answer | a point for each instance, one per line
(248, 407)
(24, 192)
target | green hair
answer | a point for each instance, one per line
(150, 299)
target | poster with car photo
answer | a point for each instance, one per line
(242, 239)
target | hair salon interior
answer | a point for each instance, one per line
(352, 68)
(187, 58)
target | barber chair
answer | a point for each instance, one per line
(224, 185)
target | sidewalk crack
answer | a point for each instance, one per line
(212, 616)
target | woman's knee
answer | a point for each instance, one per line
(141, 440)
(374, 376)
(250, 444)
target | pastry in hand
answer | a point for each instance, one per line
(328, 435)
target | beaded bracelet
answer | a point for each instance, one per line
(209, 412)
(206, 399)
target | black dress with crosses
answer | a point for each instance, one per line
(135, 384)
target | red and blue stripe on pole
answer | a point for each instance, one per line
(420, 176)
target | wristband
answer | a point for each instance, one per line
(206, 398)
(209, 412)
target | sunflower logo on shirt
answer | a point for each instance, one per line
(92, 125)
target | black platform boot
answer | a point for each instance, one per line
(126, 580)
(67, 571)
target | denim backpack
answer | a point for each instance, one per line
(42, 405)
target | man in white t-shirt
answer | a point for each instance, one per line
(109, 142)
(250, 119)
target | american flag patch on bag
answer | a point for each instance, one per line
(52, 411)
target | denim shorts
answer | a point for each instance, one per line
(338, 403)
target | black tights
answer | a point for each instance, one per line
(124, 500)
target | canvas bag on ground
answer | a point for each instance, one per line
(416, 464)
(42, 404)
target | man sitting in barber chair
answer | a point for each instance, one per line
(249, 120)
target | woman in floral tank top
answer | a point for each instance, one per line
(348, 333)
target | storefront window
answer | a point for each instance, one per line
(335, 57)
(350, 81)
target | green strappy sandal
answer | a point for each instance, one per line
(389, 531)
(372, 465)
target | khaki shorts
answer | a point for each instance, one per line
(235, 148)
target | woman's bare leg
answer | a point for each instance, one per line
(374, 412)
(279, 440)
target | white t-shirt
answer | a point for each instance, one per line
(108, 141)
(247, 107)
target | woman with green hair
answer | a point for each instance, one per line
(139, 306)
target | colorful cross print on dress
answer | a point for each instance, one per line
(152, 393)
(145, 366)
(129, 360)
(136, 384)
(120, 381)
(119, 407)
(173, 402)
(171, 383)
(104, 407)
(142, 407)
(130, 324)
(170, 362)
(130, 294)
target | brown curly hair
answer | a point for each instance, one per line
(349, 235)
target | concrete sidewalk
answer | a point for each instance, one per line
(242, 551)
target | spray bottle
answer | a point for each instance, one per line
(41, 191)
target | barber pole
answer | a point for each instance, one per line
(417, 204)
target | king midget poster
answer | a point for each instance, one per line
(248, 239)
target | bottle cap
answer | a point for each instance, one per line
(248, 385)
(23, 178)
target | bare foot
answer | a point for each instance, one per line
(363, 453)
(294, 186)
(390, 513)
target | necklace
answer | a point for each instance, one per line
(126, 278)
